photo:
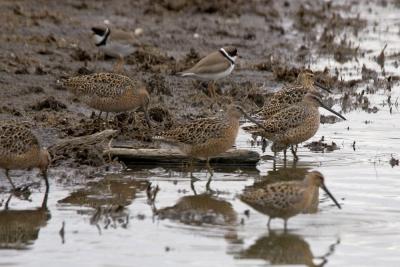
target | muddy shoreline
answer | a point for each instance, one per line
(46, 42)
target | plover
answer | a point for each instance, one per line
(215, 66)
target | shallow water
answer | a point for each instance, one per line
(364, 233)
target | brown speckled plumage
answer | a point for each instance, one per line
(292, 125)
(109, 92)
(19, 149)
(285, 199)
(288, 95)
(207, 137)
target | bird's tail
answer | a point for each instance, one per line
(184, 74)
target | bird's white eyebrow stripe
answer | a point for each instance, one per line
(228, 57)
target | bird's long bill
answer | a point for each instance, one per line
(331, 110)
(331, 196)
(323, 87)
(253, 120)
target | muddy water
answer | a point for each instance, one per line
(214, 230)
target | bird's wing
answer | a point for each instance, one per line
(99, 84)
(285, 119)
(196, 132)
(283, 195)
(282, 99)
(213, 63)
(16, 139)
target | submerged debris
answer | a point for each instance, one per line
(321, 146)
(49, 103)
(393, 162)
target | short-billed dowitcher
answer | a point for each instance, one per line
(293, 125)
(290, 94)
(110, 92)
(286, 199)
(206, 137)
(20, 149)
(214, 66)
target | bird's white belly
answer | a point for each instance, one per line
(117, 50)
(215, 76)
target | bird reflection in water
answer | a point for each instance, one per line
(109, 197)
(285, 249)
(20, 228)
(197, 210)
(293, 173)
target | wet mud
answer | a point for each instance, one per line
(145, 214)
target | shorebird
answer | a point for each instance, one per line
(207, 137)
(293, 125)
(20, 149)
(290, 94)
(110, 92)
(286, 199)
(112, 46)
(214, 66)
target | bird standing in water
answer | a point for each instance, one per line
(20, 149)
(293, 125)
(286, 199)
(207, 137)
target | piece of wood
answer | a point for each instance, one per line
(82, 141)
(166, 155)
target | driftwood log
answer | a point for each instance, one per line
(167, 156)
(94, 142)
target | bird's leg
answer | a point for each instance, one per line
(100, 115)
(274, 164)
(192, 181)
(294, 152)
(284, 154)
(211, 90)
(269, 223)
(8, 202)
(20, 192)
(119, 66)
(106, 116)
(44, 173)
(190, 169)
(9, 179)
(208, 184)
(209, 167)
(46, 194)
(285, 225)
